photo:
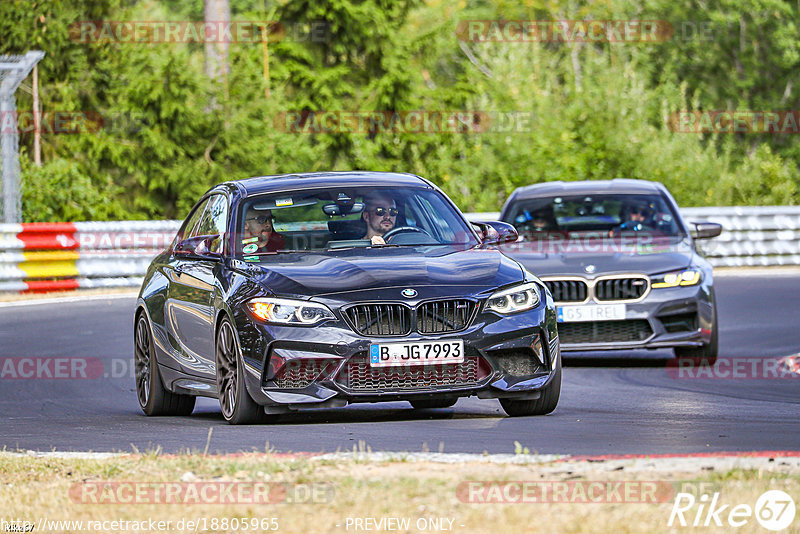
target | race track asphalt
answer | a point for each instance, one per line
(611, 403)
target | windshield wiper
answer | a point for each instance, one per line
(273, 252)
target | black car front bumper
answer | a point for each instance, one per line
(290, 367)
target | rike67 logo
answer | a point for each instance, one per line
(774, 510)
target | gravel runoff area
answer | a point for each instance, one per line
(363, 491)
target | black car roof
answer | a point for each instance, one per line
(283, 182)
(617, 185)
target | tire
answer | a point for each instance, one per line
(238, 408)
(154, 399)
(546, 403)
(706, 354)
(427, 404)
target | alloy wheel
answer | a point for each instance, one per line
(142, 358)
(226, 370)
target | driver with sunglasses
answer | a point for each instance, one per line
(258, 229)
(380, 214)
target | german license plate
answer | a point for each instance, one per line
(601, 312)
(416, 353)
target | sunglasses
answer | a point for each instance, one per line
(640, 212)
(261, 219)
(380, 211)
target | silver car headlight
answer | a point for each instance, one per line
(686, 277)
(515, 299)
(289, 311)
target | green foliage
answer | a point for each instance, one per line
(60, 191)
(763, 175)
(599, 110)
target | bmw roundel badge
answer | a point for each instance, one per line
(409, 293)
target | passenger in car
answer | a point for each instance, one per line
(259, 230)
(380, 214)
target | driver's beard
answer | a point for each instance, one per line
(377, 228)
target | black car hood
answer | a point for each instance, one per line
(659, 258)
(358, 270)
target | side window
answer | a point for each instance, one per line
(191, 223)
(440, 227)
(214, 220)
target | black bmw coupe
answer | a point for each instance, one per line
(302, 291)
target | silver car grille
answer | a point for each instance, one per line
(609, 288)
(620, 288)
(568, 290)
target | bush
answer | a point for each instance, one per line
(61, 191)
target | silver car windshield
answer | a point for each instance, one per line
(600, 214)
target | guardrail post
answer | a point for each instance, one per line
(13, 69)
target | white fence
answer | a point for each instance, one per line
(54, 256)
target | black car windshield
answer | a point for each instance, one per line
(344, 218)
(597, 214)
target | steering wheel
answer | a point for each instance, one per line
(632, 226)
(402, 229)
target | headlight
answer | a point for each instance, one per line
(516, 299)
(293, 312)
(689, 277)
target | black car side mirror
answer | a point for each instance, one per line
(198, 247)
(706, 230)
(496, 232)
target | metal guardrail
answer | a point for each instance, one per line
(58, 256)
(751, 235)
